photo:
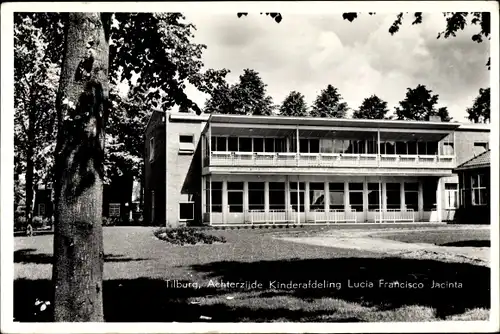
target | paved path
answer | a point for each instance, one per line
(373, 241)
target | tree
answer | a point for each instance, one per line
(294, 105)
(419, 104)
(247, 97)
(329, 104)
(81, 104)
(35, 85)
(480, 110)
(372, 108)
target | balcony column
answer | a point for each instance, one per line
(306, 201)
(402, 195)
(203, 197)
(210, 199)
(225, 208)
(266, 196)
(245, 201)
(439, 200)
(346, 197)
(420, 199)
(327, 196)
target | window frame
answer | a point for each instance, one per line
(447, 193)
(192, 215)
(479, 187)
(233, 191)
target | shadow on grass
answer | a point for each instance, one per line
(29, 255)
(152, 300)
(473, 293)
(468, 243)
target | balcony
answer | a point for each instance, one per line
(312, 160)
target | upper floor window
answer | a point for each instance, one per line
(151, 148)
(480, 147)
(448, 149)
(186, 144)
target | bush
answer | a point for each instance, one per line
(185, 235)
(20, 223)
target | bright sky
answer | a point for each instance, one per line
(308, 52)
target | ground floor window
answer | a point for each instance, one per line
(429, 194)
(316, 196)
(216, 200)
(374, 196)
(186, 211)
(478, 186)
(41, 209)
(451, 195)
(336, 196)
(297, 192)
(393, 196)
(235, 196)
(277, 195)
(256, 196)
(411, 195)
(356, 196)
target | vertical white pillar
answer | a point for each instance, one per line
(307, 203)
(384, 195)
(225, 208)
(288, 205)
(402, 195)
(346, 197)
(245, 201)
(439, 201)
(203, 198)
(210, 195)
(420, 200)
(365, 199)
(266, 196)
(327, 196)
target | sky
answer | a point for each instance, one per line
(307, 52)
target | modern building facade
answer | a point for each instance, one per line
(240, 170)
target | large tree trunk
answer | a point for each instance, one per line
(81, 109)
(30, 170)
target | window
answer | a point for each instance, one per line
(256, 196)
(186, 144)
(232, 144)
(326, 146)
(276, 196)
(374, 194)
(480, 147)
(336, 196)
(412, 147)
(186, 211)
(258, 144)
(245, 144)
(114, 208)
(151, 148)
(401, 147)
(393, 196)
(41, 209)
(422, 147)
(478, 185)
(340, 145)
(316, 196)
(235, 196)
(220, 144)
(313, 145)
(216, 197)
(356, 196)
(451, 195)
(389, 147)
(411, 195)
(429, 188)
(372, 146)
(269, 144)
(279, 145)
(304, 146)
(297, 196)
(432, 148)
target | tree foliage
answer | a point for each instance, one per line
(247, 97)
(329, 104)
(419, 104)
(372, 108)
(294, 105)
(480, 110)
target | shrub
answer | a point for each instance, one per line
(37, 222)
(185, 235)
(20, 223)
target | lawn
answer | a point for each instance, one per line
(456, 238)
(148, 280)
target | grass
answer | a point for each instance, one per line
(457, 238)
(141, 274)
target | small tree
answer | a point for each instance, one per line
(329, 104)
(480, 110)
(294, 105)
(372, 108)
(419, 104)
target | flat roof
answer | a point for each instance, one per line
(348, 122)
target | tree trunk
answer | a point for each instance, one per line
(29, 175)
(81, 110)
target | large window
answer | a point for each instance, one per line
(216, 200)
(374, 194)
(232, 144)
(412, 147)
(326, 145)
(309, 145)
(316, 196)
(356, 196)
(256, 196)
(276, 196)
(451, 195)
(258, 144)
(448, 149)
(393, 195)
(219, 144)
(411, 195)
(245, 144)
(235, 196)
(340, 145)
(429, 194)
(479, 190)
(297, 196)
(336, 196)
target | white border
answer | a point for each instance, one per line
(233, 8)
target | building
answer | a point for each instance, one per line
(238, 170)
(474, 184)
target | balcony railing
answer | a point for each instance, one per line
(260, 159)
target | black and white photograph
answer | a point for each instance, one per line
(250, 167)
